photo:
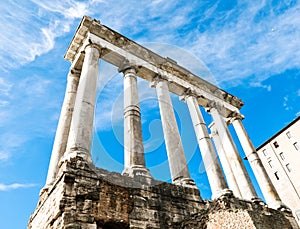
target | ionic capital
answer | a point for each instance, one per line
(211, 105)
(215, 105)
(156, 79)
(126, 67)
(188, 93)
(95, 46)
(235, 116)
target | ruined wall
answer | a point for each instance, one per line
(85, 197)
(228, 212)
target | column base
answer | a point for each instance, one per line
(257, 200)
(69, 156)
(73, 154)
(222, 193)
(138, 172)
(185, 182)
(278, 205)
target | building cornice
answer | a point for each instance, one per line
(278, 133)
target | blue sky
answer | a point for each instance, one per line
(250, 48)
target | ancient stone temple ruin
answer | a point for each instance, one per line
(79, 195)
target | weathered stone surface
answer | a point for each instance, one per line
(228, 212)
(86, 197)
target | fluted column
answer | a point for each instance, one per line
(177, 161)
(231, 180)
(133, 141)
(271, 196)
(63, 127)
(233, 156)
(83, 116)
(214, 173)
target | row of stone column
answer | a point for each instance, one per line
(74, 133)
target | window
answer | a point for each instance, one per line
(288, 167)
(281, 156)
(288, 134)
(275, 144)
(297, 147)
(270, 163)
(265, 152)
(276, 175)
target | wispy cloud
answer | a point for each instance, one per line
(20, 111)
(258, 44)
(240, 42)
(69, 9)
(30, 29)
(10, 143)
(4, 155)
(8, 187)
(261, 85)
(5, 87)
(285, 103)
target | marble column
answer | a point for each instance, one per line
(231, 181)
(133, 142)
(271, 196)
(81, 129)
(177, 161)
(214, 173)
(63, 127)
(233, 156)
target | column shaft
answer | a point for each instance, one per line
(63, 127)
(231, 180)
(209, 157)
(271, 196)
(233, 156)
(133, 141)
(177, 161)
(83, 116)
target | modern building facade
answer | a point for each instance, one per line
(280, 156)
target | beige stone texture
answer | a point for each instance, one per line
(87, 197)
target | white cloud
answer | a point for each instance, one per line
(8, 187)
(5, 87)
(30, 29)
(35, 86)
(4, 103)
(239, 43)
(4, 155)
(10, 143)
(69, 9)
(22, 104)
(249, 46)
(285, 103)
(259, 84)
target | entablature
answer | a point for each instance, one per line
(116, 48)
